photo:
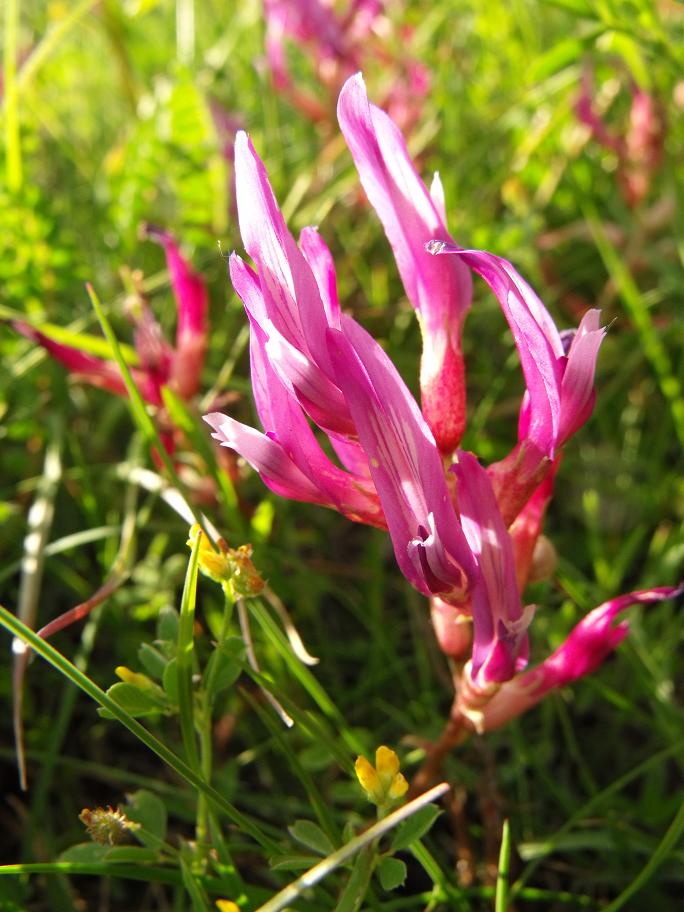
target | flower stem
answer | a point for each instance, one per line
(455, 732)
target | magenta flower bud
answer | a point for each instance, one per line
(439, 290)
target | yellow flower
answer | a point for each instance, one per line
(382, 783)
(227, 905)
(232, 568)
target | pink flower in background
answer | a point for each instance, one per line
(638, 144)
(340, 41)
(160, 364)
(464, 535)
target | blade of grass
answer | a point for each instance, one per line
(651, 343)
(39, 525)
(63, 665)
(591, 805)
(186, 656)
(318, 804)
(667, 843)
(280, 643)
(13, 166)
(501, 902)
(188, 421)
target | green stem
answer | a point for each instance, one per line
(12, 133)
(206, 730)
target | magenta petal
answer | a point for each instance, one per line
(95, 371)
(405, 465)
(284, 422)
(409, 216)
(188, 286)
(289, 289)
(537, 340)
(591, 641)
(267, 457)
(320, 260)
(319, 397)
(577, 389)
(499, 621)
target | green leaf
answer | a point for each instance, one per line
(152, 660)
(167, 625)
(223, 669)
(391, 873)
(132, 854)
(170, 681)
(134, 701)
(415, 827)
(84, 853)
(145, 808)
(292, 862)
(357, 886)
(312, 836)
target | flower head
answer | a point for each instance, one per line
(106, 826)
(232, 568)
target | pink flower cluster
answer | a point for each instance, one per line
(638, 145)
(463, 534)
(160, 364)
(338, 43)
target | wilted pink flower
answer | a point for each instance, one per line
(178, 367)
(339, 44)
(638, 144)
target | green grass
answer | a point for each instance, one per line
(106, 124)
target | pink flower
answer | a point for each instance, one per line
(560, 385)
(584, 650)
(439, 290)
(308, 358)
(638, 144)
(337, 46)
(463, 535)
(178, 367)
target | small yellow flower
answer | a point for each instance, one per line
(227, 905)
(382, 783)
(105, 825)
(134, 677)
(232, 568)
